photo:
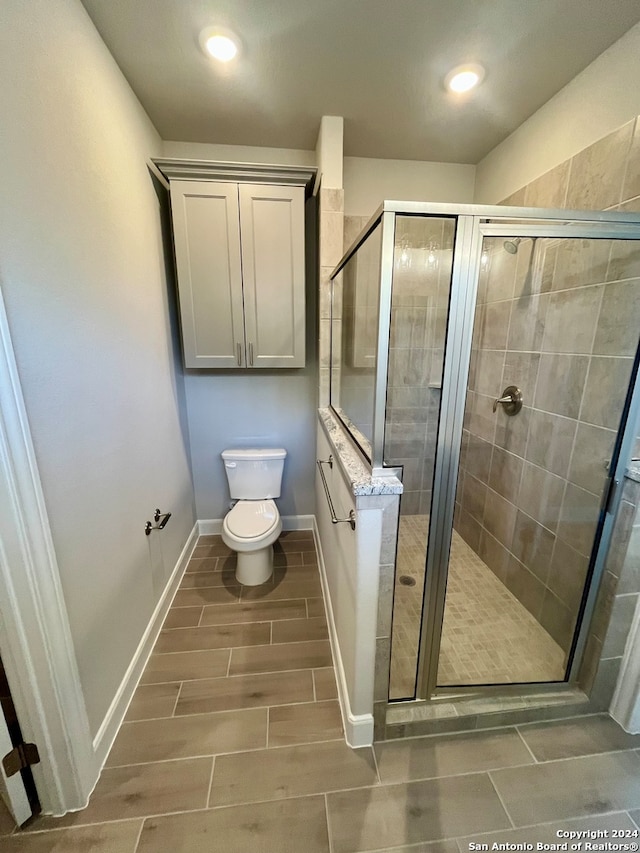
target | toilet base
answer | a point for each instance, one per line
(254, 567)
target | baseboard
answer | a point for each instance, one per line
(213, 526)
(108, 730)
(358, 728)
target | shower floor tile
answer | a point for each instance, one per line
(488, 637)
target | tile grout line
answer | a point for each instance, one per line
(328, 822)
(313, 685)
(375, 764)
(521, 736)
(175, 704)
(340, 739)
(137, 844)
(213, 767)
(229, 663)
(495, 788)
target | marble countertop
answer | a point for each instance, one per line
(358, 474)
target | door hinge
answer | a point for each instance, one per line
(20, 757)
(611, 493)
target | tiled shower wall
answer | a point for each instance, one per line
(563, 326)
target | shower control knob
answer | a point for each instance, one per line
(511, 400)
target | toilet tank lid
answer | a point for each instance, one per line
(254, 453)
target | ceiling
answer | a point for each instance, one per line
(378, 63)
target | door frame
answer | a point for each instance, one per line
(464, 283)
(35, 635)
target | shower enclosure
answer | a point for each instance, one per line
(489, 356)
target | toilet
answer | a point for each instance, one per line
(254, 523)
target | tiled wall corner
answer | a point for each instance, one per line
(616, 604)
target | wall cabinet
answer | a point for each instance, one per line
(240, 260)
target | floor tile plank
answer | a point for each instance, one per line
(325, 684)
(278, 658)
(153, 700)
(120, 837)
(414, 812)
(184, 666)
(254, 611)
(183, 617)
(139, 790)
(315, 721)
(213, 637)
(290, 587)
(429, 757)
(288, 826)
(245, 691)
(209, 595)
(299, 630)
(578, 736)
(290, 772)
(184, 737)
(571, 788)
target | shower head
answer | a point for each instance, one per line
(511, 246)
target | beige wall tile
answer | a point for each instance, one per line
(561, 381)
(550, 189)
(598, 171)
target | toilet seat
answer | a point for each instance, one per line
(252, 520)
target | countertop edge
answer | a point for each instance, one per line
(358, 475)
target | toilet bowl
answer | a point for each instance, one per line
(250, 529)
(254, 523)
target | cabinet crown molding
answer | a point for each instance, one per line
(256, 173)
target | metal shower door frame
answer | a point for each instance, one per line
(470, 234)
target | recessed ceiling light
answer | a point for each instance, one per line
(463, 78)
(219, 43)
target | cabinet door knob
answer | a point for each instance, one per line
(251, 354)
(239, 354)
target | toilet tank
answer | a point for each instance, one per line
(254, 474)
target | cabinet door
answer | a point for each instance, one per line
(272, 227)
(206, 229)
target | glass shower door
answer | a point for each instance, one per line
(554, 341)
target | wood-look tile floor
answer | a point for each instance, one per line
(233, 744)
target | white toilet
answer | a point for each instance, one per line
(254, 523)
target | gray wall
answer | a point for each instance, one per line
(261, 408)
(82, 270)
